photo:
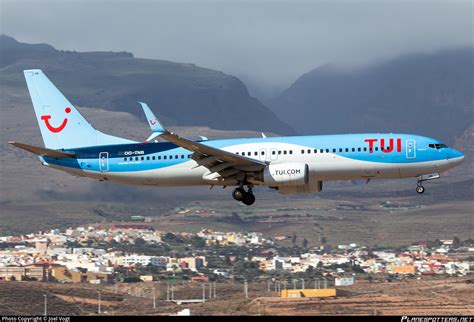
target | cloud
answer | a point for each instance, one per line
(267, 42)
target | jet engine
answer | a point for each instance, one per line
(286, 174)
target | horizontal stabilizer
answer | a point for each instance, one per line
(44, 151)
(153, 136)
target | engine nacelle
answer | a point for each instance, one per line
(286, 174)
(311, 187)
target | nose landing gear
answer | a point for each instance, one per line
(420, 189)
(246, 197)
(419, 185)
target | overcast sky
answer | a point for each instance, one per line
(270, 43)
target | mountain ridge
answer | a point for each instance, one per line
(181, 94)
(414, 93)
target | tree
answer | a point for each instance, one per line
(456, 242)
(140, 241)
(198, 242)
(305, 243)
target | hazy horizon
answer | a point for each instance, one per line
(266, 44)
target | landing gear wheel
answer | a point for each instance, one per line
(420, 189)
(248, 199)
(238, 194)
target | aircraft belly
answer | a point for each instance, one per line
(408, 170)
(176, 175)
(342, 168)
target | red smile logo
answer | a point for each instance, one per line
(53, 129)
(153, 122)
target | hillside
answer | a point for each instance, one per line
(33, 197)
(427, 94)
(182, 94)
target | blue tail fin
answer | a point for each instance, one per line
(61, 124)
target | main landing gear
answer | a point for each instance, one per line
(419, 185)
(247, 197)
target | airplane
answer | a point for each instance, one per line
(290, 165)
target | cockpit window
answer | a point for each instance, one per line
(438, 146)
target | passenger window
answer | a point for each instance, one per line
(321, 151)
(249, 153)
(347, 150)
(365, 149)
(164, 157)
(376, 148)
(340, 149)
(327, 150)
(148, 158)
(353, 149)
(333, 150)
(142, 158)
(315, 150)
(182, 156)
(273, 152)
(153, 157)
(124, 159)
(358, 149)
(255, 153)
(189, 156)
(176, 156)
(291, 151)
(279, 151)
(159, 157)
(284, 152)
(136, 158)
(309, 151)
(302, 151)
(263, 153)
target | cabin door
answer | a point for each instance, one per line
(411, 149)
(104, 161)
(262, 154)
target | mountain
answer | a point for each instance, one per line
(182, 94)
(427, 94)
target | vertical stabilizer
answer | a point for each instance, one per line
(61, 124)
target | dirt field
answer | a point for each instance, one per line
(443, 296)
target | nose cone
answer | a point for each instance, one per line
(456, 158)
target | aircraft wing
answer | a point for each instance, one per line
(220, 163)
(44, 151)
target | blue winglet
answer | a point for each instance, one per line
(153, 121)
